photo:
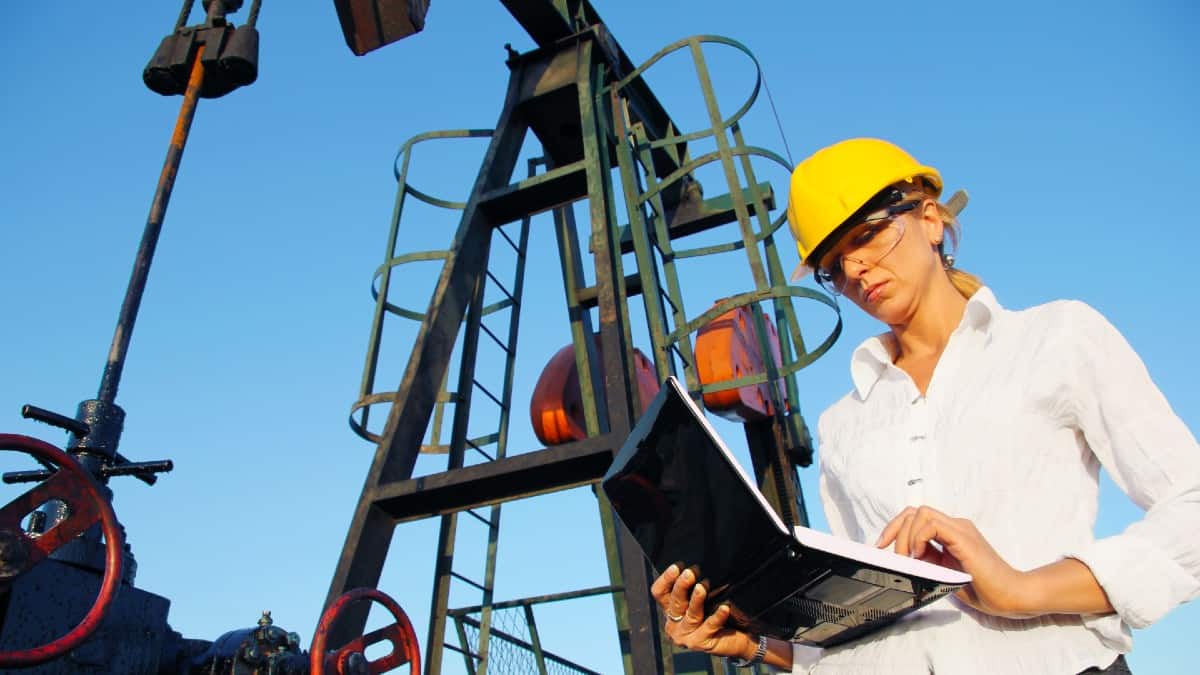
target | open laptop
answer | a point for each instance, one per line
(685, 499)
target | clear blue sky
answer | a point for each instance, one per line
(1072, 125)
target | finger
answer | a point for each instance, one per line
(936, 557)
(695, 609)
(920, 537)
(903, 536)
(716, 620)
(931, 524)
(681, 592)
(889, 533)
(662, 585)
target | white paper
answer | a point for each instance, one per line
(879, 557)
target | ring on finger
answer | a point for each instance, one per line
(672, 617)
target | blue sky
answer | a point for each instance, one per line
(1071, 124)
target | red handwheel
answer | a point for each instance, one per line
(19, 551)
(404, 640)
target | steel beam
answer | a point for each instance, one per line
(370, 533)
(516, 477)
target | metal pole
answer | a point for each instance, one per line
(145, 254)
(184, 13)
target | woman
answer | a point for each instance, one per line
(972, 438)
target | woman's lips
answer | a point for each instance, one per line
(874, 291)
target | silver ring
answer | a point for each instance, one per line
(676, 619)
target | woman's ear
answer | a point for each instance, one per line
(931, 222)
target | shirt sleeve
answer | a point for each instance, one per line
(1154, 565)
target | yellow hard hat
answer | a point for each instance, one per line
(834, 183)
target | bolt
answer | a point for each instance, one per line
(356, 664)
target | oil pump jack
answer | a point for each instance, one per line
(605, 138)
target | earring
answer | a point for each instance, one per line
(947, 260)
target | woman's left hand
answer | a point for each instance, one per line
(996, 588)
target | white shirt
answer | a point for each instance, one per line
(1023, 409)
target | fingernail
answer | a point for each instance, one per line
(688, 575)
(673, 569)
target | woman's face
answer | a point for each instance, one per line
(887, 263)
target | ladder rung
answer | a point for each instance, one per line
(675, 348)
(500, 285)
(513, 244)
(494, 338)
(489, 394)
(497, 306)
(463, 579)
(480, 450)
(666, 296)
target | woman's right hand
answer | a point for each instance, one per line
(682, 601)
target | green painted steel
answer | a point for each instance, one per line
(655, 182)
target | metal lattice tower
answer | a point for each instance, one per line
(595, 117)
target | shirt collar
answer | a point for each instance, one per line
(872, 358)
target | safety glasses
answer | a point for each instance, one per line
(866, 245)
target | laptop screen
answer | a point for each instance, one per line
(677, 492)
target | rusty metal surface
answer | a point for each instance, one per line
(72, 485)
(158, 210)
(405, 648)
(368, 25)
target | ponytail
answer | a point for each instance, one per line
(964, 282)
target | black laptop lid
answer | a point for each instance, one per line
(681, 498)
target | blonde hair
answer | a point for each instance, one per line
(964, 282)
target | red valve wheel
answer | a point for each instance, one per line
(404, 640)
(74, 485)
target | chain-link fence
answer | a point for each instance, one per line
(513, 645)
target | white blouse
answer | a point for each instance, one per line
(1023, 409)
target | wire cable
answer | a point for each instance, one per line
(770, 99)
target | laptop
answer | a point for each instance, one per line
(684, 497)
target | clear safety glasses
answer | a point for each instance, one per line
(866, 245)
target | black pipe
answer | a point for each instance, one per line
(145, 255)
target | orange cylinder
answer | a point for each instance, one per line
(728, 348)
(556, 409)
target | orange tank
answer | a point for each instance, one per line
(557, 406)
(728, 348)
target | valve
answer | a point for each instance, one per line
(20, 551)
(96, 432)
(350, 658)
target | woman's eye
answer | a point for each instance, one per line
(868, 234)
